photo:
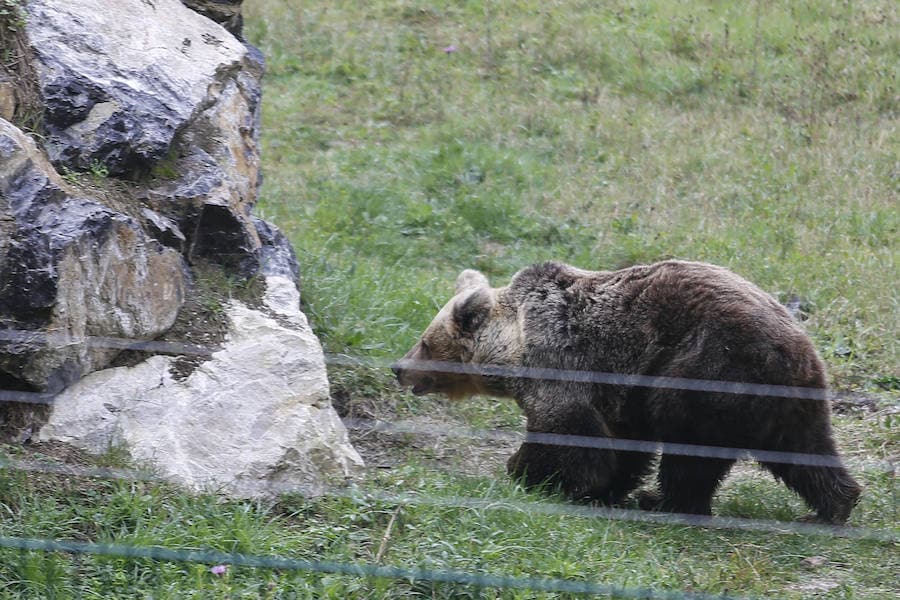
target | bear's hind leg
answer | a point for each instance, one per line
(687, 483)
(830, 491)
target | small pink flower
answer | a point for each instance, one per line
(450, 49)
(219, 570)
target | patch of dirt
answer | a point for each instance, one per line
(854, 404)
(390, 444)
(815, 586)
(388, 436)
(60, 452)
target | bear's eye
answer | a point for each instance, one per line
(426, 351)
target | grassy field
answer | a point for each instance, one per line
(404, 141)
(760, 136)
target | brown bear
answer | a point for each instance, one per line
(540, 338)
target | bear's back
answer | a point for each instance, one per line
(678, 318)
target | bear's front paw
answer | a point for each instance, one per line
(514, 465)
(534, 467)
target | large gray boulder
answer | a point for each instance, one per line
(253, 421)
(152, 90)
(121, 77)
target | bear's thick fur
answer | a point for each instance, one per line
(671, 319)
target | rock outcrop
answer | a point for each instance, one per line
(120, 79)
(152, 90)
(71, 268)
(146, 181)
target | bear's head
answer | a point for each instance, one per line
(476, 327)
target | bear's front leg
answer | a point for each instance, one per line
(582, 474)
(565, 448)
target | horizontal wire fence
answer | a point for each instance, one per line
(356, 569)
(354, 493)
(34, 340)
(364, 496)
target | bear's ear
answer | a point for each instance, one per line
(471, 313)
(470, 278)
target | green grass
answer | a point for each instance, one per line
(508, 535)
(757, 135)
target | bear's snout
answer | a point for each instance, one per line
(409, 376)
(423, 387)
(405, 370)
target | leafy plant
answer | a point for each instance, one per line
(98, 170)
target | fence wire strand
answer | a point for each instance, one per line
(363, 496)
(479, 580)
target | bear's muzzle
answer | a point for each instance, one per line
(408, 375)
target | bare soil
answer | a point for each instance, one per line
(387, 437)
